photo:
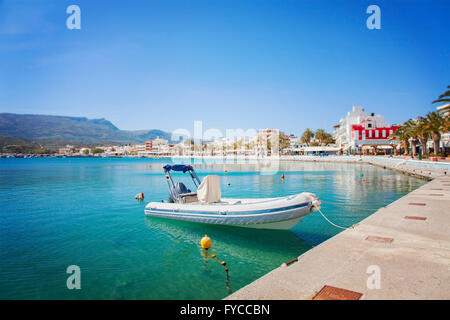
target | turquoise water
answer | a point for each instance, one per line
(61, 212)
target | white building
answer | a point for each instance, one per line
(318, 150)
(444, 110)
(294, 141)
(68, 149)
(159, 142)
(160, 146)
(359, 130)
(266, 140)
(117, 150)
(343, 133)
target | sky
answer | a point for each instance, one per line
(250, 64)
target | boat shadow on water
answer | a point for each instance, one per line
(230, 240)
(241, 248)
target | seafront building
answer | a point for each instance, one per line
(362, 133)
(154, 147)
(444, 109)
(343, 131)
(67, 150)
(118, 150)
(318, 150)
(148, 146)
(267, 141)
(445, 136)
(358, 132)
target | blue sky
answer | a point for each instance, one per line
(232, 64)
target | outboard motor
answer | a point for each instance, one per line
(177, 189)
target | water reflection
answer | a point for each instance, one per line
(236, 242)
(246, 251)
(84, 211)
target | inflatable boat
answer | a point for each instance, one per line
(206, 205)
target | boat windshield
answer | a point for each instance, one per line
(178, 182)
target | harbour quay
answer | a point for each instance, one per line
(402, 251)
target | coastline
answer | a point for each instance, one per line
(423, 169)
(328, 261)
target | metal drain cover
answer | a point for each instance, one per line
(379, 239)
(415, 218)
(334, 293)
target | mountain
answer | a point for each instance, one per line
(17, 145)
(77, 129)
(145, 135)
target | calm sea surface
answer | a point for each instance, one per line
(61, 212)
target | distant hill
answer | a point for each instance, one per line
(145, 135)
(21, 145)
(77, 129)
(17, 145)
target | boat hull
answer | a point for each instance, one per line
(280, 225)
(276, 213)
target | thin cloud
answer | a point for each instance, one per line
(24, 17)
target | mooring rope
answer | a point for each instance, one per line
(318, 209)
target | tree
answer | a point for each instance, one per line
(414, 133)
(41, 150)
(307, 136)
(97, 150)
(444, 98)
(403, 134)
(328, 139)
(320, 135)
(323, 137)
(424, 134)
(435, 124)
(282, 141)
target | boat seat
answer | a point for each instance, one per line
(189, 197)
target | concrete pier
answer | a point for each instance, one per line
(402, 251)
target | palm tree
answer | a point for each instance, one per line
(324, 138)
(283, 141)
(307, 136)
(328, 139)
(435, 124)
(444, 98)
(403, 134)
(424, 134)
(320, 135)
(447, 122)
(414, 133)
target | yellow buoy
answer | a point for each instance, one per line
(206, 242)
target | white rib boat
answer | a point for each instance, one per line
(207, 206)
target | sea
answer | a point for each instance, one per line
(58, 215)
